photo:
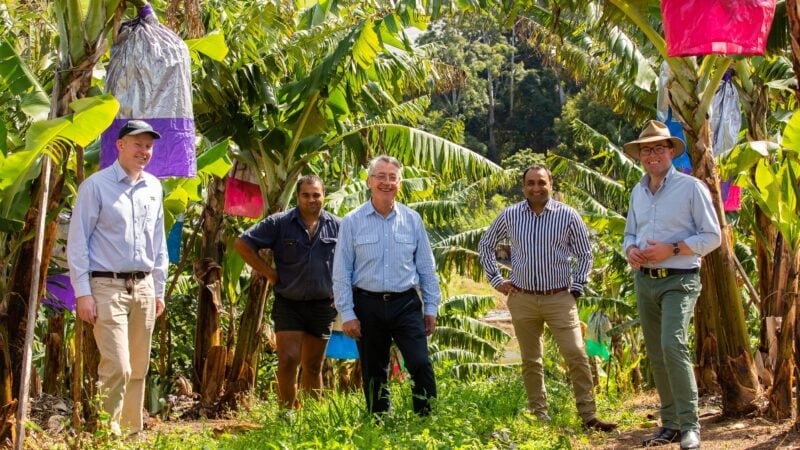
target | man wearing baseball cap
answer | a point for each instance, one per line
(671, 224)
(117, 258)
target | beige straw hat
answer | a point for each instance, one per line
(654, 131)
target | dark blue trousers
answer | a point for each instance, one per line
(401, 320)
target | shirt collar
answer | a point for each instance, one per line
(120, 174)
(294, 214)
(370, 209)
(549, 206)
(645, 181)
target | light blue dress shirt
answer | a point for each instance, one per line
(681, 210)
(380, 254)
(117, 226)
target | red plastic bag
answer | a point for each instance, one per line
(242, 198)
(728, 27)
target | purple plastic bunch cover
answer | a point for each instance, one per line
(149, 73)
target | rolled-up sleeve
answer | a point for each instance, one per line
(496, 232)
(343, 259)
(709, 235)
(426, 270)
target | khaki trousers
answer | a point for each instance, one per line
(123, 331)
(529, 314)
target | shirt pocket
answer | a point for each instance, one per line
(405, 246)
(292, 250)
(328, 244)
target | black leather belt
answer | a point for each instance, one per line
(664, 272)
(544, 292)
(121, 275)
(385, 296)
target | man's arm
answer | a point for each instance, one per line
(251, 257)
(428, 281)
(343, 259)
(81, 226)
(708, 234)
(496, 232)
(582, 252)
(629, 247)
(161, 260)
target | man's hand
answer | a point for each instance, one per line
(160, 306)
(87, 309)
(271, 274)
(352, 328)
(657, 251)
(507, 288)
(636, 257)
(575, 294)
(430, 325)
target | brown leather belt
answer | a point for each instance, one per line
(544, 292)
(129, 277)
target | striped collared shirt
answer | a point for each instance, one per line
(548, 251)
(380, 254)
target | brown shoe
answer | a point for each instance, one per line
(599, 425)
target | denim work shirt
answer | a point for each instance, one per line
(681, 210)
(117, 226)
(380, 254)
(303, 262)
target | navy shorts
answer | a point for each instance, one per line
(314, 317)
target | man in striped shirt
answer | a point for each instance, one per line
(550, 262)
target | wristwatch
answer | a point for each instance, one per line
(675, 248)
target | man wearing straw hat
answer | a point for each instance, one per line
(671, 224)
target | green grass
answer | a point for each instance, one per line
(473, 414)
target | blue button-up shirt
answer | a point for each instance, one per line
(380, 254)
(117, 226)
(681, 210)
(303, 262)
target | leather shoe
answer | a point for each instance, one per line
(690, 440)
(600, 425)
(663, 436)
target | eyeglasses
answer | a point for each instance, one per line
(384, 178)
(657, 149)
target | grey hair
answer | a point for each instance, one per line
(384, 159)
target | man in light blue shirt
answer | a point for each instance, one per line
(671, 224)
(382, 259)
(117, 257)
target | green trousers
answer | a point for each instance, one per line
(666, 306)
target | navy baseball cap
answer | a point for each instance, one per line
(134, 127)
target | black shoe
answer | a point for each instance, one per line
(663, 436)
(691, 440)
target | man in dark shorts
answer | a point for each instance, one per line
(302, 241)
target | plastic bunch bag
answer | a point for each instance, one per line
(597, 338)
(729, 27)
(149, 73)
(243, 196)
